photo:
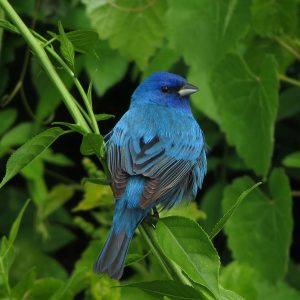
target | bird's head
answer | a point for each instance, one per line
(165, 89)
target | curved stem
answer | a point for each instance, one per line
(289, 80)
(46, 63)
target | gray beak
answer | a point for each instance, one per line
(187, 90)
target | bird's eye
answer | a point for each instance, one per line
(164, 89)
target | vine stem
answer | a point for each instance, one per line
(170, 268)
(289, 80)
(46, 63)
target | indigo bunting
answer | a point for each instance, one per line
(156, 155)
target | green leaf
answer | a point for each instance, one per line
(106, 71)
(134, 27)
(163, 60)
(45, 288)
(240, 278)
(66, 47)
(289, 104)
(95, 195)
(19, 134)
(58, 159)
(203, 32)
(16, 225)
(188, 210)
(24, 285)
(240, 96)
(171, 289)
(219, 226)
(187, 244)
(92, 144)
(246, 281)
(229, 295)
(84, 41)
(103, 117)
(30, 150)
(260, 225)
(74, 127)
(292, 160)
(211, 205)
(274, 17)
(7, 117)
(132, 258)
(49, 96)
(8, 26)
(56, 198)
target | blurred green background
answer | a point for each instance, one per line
(244, 57)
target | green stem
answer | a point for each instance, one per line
(5, 279)
(171, 269)
(288, 48)
(79, 87)
(46, 63)
(289, 80)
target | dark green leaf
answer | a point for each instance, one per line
(66, 47)
(56, 198)
(30, 150)
(261, 224)
(7, 117)
(171, 289)
(289, 104)
(92, 144)
(16, 225)
(187, 244)
(240, 96)
(219, 226)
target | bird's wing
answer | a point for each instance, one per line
(164, 158)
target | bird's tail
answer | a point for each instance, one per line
(112, 257)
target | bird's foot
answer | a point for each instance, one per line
(153, 218)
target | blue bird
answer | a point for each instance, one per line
(156, 156)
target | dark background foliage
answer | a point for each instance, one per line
(243, 55)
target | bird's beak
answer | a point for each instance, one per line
(187, 90)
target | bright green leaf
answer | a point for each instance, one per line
(107, 70)
(66, 47)
(171, 289)
(219, 226)
(292, 160)
(248, 106)
(30, 150)
(84, 41)
(274, 17)
(92, 144)
(261, 224)
(74, 127)
(203, 32)
(187, 244)
(134, 27)
(8, 26)
(103, 117)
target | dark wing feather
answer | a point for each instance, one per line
(165, 160)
